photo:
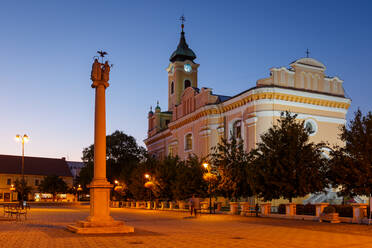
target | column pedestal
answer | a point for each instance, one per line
(99, 220)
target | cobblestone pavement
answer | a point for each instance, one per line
(46, 228)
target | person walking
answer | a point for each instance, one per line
(192, 205)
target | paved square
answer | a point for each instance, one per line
(46, 228)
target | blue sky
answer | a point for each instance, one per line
(47, 50)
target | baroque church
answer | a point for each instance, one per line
(196, 119)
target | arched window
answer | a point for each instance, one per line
(237, 129)
(172, 87)
(188, 142)
(311, 127)
(187, 83)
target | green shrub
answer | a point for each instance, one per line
(329, 210)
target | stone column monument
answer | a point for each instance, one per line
(99, 220)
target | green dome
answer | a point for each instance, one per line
(183, 52)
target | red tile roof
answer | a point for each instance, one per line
(34, 166)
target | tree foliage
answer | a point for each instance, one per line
(22, 187)
(285, 164)
(123, 155)
(351, 165)
(189, 179)
(53, 185)
(230, 160)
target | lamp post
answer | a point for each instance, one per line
(23, 139)
(208, 177)
(148, 185)
(79, 188)
(12, 189)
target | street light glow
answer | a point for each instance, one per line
(116, 182)
(205, 164)
(147, 176)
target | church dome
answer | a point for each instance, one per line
(183, 52)
(309, 62)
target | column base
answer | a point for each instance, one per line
(106, 227)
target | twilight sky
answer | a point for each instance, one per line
(47, 49)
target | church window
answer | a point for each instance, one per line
(188, 142)
(172, 87)
(237, 129)
(187, 83)
(310, 127)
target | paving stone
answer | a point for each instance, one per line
(45, 227)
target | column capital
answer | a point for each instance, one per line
(97, 83)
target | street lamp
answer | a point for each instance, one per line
(23, 139)
(208, 177)
(12, 189)
(79, 188)
(149, 184)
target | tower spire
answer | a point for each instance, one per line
(182, 19)
(183, 52)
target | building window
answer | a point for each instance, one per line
(237, 129)
(172, 87)
(9, 181)
(167, 122)
(36, 182)
(311, 127)
(188, 142)
(187, 83)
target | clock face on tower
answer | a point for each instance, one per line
(187, 68)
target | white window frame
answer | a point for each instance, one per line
(314, 124)
(231, 127)
(185, 142)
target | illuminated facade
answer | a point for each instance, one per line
(35, 169)
(197, 119)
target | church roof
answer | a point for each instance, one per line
(309, 62)
(34, 166)
(183, 52)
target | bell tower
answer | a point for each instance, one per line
(182, 70)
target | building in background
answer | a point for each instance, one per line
(196, 119)
(75, 168)
(35, 169)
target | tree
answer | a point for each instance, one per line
(53, 185)
(123, 155)
(136, 186)
(164, 178)
(189, 179)
(231, 161)
(285, 164)
(351, 165)
(22, 187)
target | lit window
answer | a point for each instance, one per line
(188, 142)
(187, 83)
(237, 129)
(172, 151)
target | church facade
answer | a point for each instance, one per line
(196, 119)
